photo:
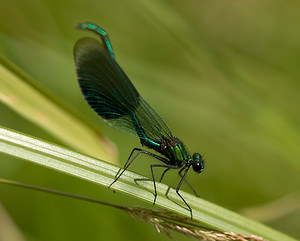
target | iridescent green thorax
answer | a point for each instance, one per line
(174, 150)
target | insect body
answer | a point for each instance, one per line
(113, 97)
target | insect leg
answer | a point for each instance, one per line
(153, 178)
(178, 188)
(162, 175)
(180, 174)
(125, 166)
(128, 162)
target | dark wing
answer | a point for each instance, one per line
(112, 96)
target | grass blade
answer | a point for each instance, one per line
(61, 159)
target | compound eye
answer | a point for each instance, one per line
(198, 163)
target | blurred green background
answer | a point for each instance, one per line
(224, 75)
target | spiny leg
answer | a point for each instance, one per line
(153, 178)
(178, 188)
(117, 174)
(128, 162)
(162, 175)
(180, 174)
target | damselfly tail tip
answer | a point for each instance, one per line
(84, 25)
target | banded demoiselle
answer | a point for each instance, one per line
(110, 93)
